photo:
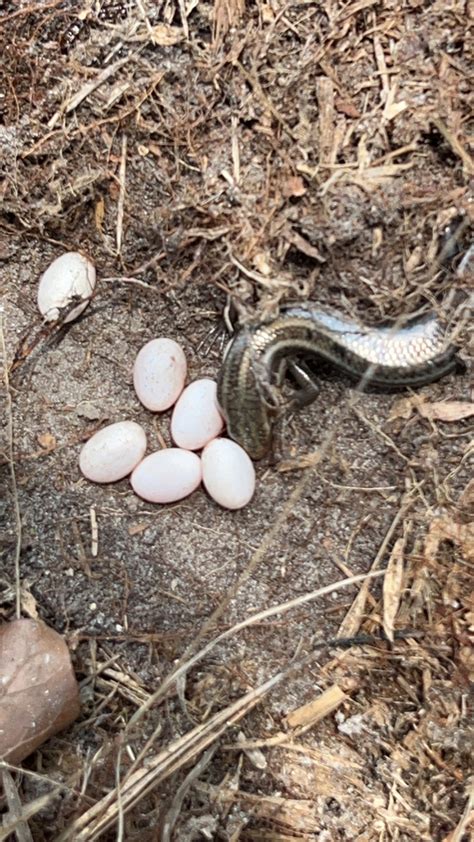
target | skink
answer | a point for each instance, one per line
(412, 355)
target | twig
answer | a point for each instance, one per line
(16, 505)
(183, 666)
(173, 812)
(174, 756)
(15, 812)
(351, 622)
(454, 143)
(121, 199)
(466, 819)
(88, 89)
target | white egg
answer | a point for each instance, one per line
(70, 277)
(196, 418)
(167, 475)
(228, 473)
(113, 452)
(159, 374)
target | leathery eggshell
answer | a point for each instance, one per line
(196, 418)
(228, 473)
(69, 277)
(159, 374)
(113, 452)
(167, 475)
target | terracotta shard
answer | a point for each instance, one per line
(39, 694)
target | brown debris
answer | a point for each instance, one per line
(312, 712)
(392, 585)
(38, 681)
(446, 410)
(272, 152)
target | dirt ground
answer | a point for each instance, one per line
(273, 151)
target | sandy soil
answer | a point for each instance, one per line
(271, 151)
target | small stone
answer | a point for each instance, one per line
(87, 410)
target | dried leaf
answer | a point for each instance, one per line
(345, 106)
(445, 529)
(403, 408)
(293, 186)
(392, 586)
(353, 619)
(299, 463)
(38, 681)
(446, 410)
(165, 35)
(46, 441)
(28, 604)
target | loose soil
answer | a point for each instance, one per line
(272, 152)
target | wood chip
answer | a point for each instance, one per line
(325, 95)
(46, 441)
(392, 587)
(166, 36)
(353, 619)
(393, 109)
(307, 715)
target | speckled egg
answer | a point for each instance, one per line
(70, 277)
(196, 417)
(113, 452)
(159, 374)
(228, 473)
(167, 475)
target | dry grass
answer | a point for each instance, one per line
(271, 151)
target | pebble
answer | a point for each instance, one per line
(113, 452)
(196, 418)
(167, 475)
(69, 277)
(228, 473)
(159, 374)
(88, 410)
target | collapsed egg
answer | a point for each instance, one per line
(167, 475)
(196, 418)
(159, 374)
(228, 473)
(69, 278)
(113, 452)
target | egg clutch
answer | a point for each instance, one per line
(200, 453)
(172, 473)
